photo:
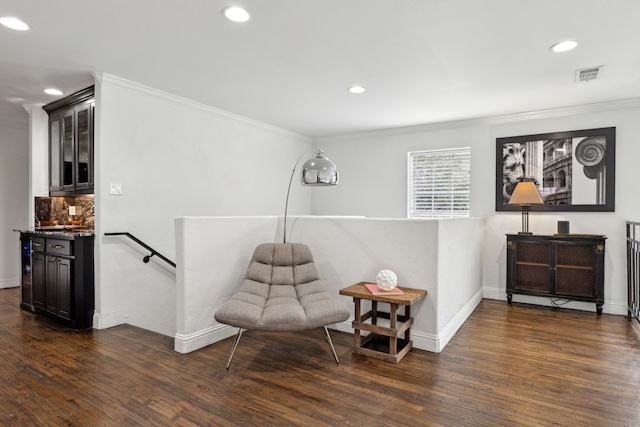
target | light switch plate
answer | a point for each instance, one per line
(116, 188)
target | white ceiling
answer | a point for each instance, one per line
(422, 61)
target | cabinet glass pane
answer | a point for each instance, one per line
(25, 253)
(54, 146)
(67, 151)
(83, 147)
(576, 281)
(576, 255)
(537, 253)
(532, 278)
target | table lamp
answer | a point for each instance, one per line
(526, 194)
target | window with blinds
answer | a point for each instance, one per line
(438, 183)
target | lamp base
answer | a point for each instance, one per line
(525, 220)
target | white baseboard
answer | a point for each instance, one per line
(421, 340)
(494, 293)
(202, 338)
(9, 283)
(616, 307)
(436, 343)
(219, 332)
(458, 320)
(609, 307)
(96, 321)
(425, 341)
(104, 322)
(343, 326)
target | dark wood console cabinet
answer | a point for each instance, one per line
(561, 266)
(58, 279)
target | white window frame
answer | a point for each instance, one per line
(454, 176)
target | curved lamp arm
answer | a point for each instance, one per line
(316, 171)
(286, 205)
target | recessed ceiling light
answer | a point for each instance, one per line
(236, 14)
(52, 91)
(13, 23)
(563, 46)
(357, 89)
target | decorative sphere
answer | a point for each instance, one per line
(386, 280)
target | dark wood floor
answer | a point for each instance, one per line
(519, 365)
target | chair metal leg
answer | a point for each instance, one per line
(331, 345)
(235, 345)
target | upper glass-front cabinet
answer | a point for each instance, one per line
(84, 149)
(55, 160)
(71, 144)
(67, 150)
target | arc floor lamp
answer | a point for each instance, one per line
(317, 171)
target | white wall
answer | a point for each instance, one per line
(174, 157)
(346, 250)
(38, 157)
(444, 257)
(14, 191)
(459, 270)
(611, 224)
(382, 193)
(38, 152)
(213, 256)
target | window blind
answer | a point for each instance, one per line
(439, 183)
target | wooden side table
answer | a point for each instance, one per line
(383, 342)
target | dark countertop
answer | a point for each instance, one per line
(52, 232)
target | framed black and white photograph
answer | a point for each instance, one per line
(573, 170)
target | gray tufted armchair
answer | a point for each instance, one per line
(281, 291)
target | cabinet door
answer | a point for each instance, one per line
(51, 287)
(84, 149)
(63, 282)
(575, 272)
(68, 155)
(55, 153)
(26, 292)
(58, 286)
(532, 265)
(38, 279)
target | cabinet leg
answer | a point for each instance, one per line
(599, 308)
(357, 341)
(509, 296)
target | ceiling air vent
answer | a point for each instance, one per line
(587, 74)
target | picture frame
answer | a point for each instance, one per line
(574, 170)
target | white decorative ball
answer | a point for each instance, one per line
(386, 280)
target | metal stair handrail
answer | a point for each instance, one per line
(144, 245)
(633, 269)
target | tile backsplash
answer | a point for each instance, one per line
(57, 209)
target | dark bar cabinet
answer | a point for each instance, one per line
(58, 276)
(561, 266)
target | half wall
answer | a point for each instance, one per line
(444, 257)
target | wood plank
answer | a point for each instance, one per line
(518, 365)
(410, 296)
(382, 330)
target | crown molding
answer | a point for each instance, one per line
(493, 120)
(84, 95)
(193, 105)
